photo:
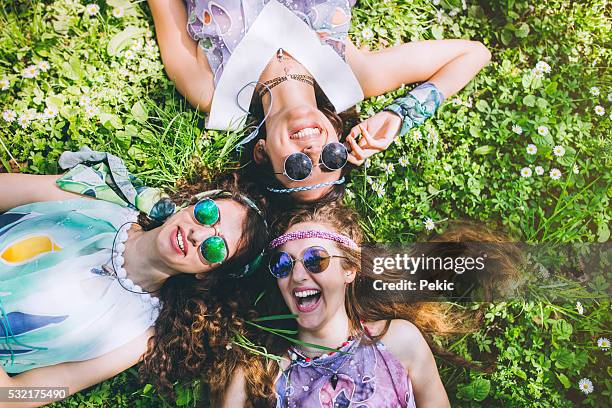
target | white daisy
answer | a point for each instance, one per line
(456, 101)
(453, 12)
(585, 385)
(579, 308)
(555, 174)
(30, 71)
(603, 343)
(4, 84)
(84, 100)
(542, 130)
(517, 129)
(50, 112)
(92, 9)
(559, 151)
(532, 149)
(91, 110)
(543, 66)
(594, 91)
(44, 66)
(599, 110)
(367, 33)
(418, 135)
(129, 54)
(403, 161)
(537, 72)
(138, 44)
(389, 167)
(9, 115)
(526, 172)
(436, 2)
(429, 224)
(539, 170)
(23, 121)
(118, 12)
(610, 97)
(576, 169)
(468, 103)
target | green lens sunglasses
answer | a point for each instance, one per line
(214, 249)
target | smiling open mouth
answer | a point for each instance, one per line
(306, 133)
(307, 300)
(179, 242)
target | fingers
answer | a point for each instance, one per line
(357, 156)
(370, 142)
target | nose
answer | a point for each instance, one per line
(313, 151)
(299, 273)
(197, 234)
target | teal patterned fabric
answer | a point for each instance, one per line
(417, 106)
(104, 176)
(60, 299)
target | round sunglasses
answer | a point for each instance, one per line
(315, 259)
(298, 166)
(213, 249)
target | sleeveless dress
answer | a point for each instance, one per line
(366, 376)
(239, 37)
(59, 298)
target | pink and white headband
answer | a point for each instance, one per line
(292, 236)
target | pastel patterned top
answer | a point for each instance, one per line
(59, 298)
(359, 376)
(239, 38)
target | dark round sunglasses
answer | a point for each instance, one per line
(315, 259)
(298, 166)
(214, 249)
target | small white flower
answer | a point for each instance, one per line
(610, 97)
(92, 9)
(349, 193)
(537, 72)
(576, 169)
(418, 135)
(526, 172)
(228, 346)
(429, 224)
(138, 44)
(23, 121)
(603, 343)
(453, 12)
(542, 130)
(532, 149)
(367, 33)
(50, 112)
(543, 66)
(389, 167)
(579, 308)
(9, 115)
(439, 15)
(4, 84)
(555, 174)
(44, 66)
(468, 103)
(30, 72)
(91, 110)
(31, 114)
(594, 91)
(517, 129)
(123, 72)
(559, 151)
(457, 101)
(403, 161)
(436, 2)
(599, 110)
(129, 54)
(118, 12)
(585, 385)
(539, 170)
(84, 100)
(370, 180)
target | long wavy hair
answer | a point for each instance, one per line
(199, 317)
(342, 123)
(363, 303)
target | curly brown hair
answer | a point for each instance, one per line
(199, 317)
(363, 303)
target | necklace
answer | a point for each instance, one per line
(271, 83)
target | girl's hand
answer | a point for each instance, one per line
(377, 133)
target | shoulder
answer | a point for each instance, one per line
(403, 339)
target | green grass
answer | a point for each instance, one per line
(465, 163)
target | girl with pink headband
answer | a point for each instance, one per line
(356, 348)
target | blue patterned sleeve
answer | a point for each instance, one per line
(417, 106)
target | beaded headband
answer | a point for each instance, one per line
(305, 188)
(292, 236)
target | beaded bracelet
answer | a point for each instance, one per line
(417, 106)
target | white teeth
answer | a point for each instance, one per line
(179, 240)
(306, 293)
(306, 132)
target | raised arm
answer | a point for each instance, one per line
(235, 395)
(448, 64)
(184, 60)
(78, 375)
(19, 189)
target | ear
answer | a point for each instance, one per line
(349, 275)
(259, 151)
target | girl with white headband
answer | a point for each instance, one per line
(376, 351)
(294, 61)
